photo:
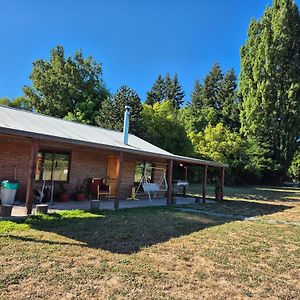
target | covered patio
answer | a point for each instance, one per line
(19, 210)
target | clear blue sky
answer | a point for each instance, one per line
(135, 40)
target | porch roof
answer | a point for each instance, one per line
(33, 125)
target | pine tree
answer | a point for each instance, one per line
(196, 96)
(111, 115)
(168, 87)
(176, 93)
(228, 99)
(210, 87)
(270, 81)
(157, 92)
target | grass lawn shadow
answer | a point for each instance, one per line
(130, 230)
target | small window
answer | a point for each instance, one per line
(52, 166)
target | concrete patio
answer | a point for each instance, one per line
(20, 211)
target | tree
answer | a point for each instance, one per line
(164, 130)
(228, 101)
(168, 87)
(69, 87)
(270, 81)
(157, 92)
(294, 169)
(4, 101)
(211, 87)
(111, 115)
(18, 102)
(176, 94)
(245, 157)
(196, 96)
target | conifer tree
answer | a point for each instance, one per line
(211, 86)
(176, 94)
(168, 87)
(196, 96)
(111, 115)
(157, 92)
(228, 100)
(270, 81)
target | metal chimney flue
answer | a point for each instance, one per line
(126, 124)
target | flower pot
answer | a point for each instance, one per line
(63, 197)
(219, 196)
(80, 197)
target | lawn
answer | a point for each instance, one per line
(158, 253)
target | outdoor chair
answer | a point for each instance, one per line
(98, 188)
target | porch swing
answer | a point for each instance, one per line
(146, 186)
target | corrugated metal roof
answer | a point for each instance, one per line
(30, 124)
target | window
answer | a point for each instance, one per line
(52, 166)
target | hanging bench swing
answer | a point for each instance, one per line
(152, 188)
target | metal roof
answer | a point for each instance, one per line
(31, 124)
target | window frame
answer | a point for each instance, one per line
(53, 152)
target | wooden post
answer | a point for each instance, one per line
(204, 181)
(185, 179)
(31, 176)
(118, 181)
(170, 175)
(222, 177)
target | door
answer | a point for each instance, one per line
(112, 174)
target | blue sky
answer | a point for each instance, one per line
(135, 40)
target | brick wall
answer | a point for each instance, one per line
(84, 162)
(15, 154)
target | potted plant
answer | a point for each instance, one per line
(218, 190)
(63, 195)
(80, 194)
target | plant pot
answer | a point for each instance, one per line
(219, 196)
(63, 197)
(80, 197)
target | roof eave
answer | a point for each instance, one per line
(170, 156)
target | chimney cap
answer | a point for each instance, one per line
(127, 107)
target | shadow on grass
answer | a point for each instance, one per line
(261, 193)
(128, 230)
(240, 207)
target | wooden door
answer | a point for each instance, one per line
(112, 173)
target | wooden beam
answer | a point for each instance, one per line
(222, 179)
(170, 176)
(118, 180)
(204, 181)
(31, 176)
(185, 179)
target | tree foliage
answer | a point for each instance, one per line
(245, 157)
(164, 129)
(166, 89)
(270, 81)
(294, 169)
(111, 115)
(20, 102)
(69, 87)
(157, 92)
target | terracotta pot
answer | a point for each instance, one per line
(80, 197)
(63, 197)
(219, 196)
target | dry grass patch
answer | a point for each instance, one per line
(150, 253)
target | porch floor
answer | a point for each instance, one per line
(19, 209)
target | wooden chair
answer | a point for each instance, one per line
(103, 189)
(98, 188)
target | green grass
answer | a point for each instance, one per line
(156, 253)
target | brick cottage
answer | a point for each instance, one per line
(35, 147)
